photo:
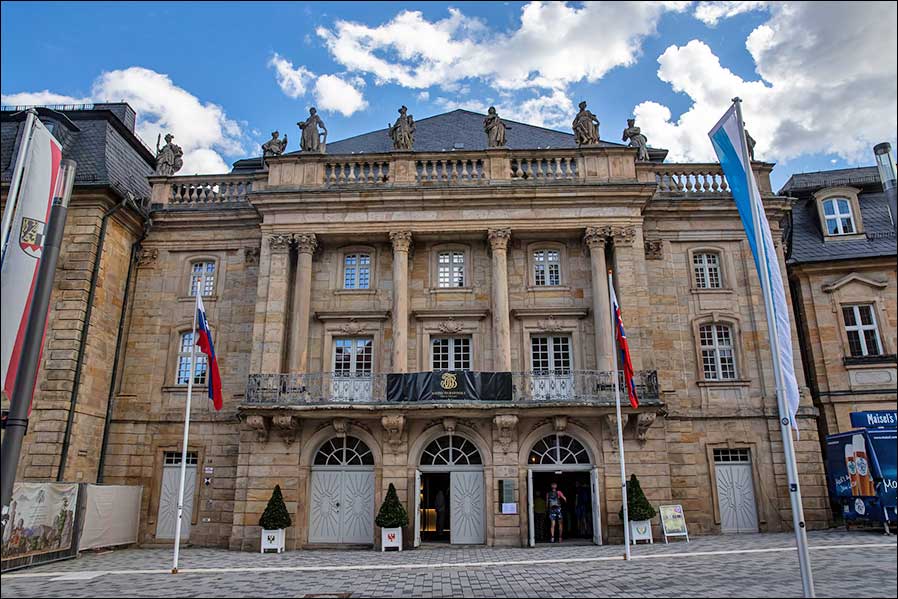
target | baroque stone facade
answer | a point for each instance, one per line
(320, 278)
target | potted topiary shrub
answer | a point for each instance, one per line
(391, 518)
(274, 520)
(639, 511)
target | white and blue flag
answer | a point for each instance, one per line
(728, 139)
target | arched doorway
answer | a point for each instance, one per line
(450, 492)
(341, 506)
(562, 459)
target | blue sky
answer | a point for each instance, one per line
(221, 76)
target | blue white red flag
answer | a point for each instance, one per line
(204, 342)
(624, 349)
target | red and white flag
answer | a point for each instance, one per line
(22, 253)
(624, 348)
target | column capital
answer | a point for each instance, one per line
(306, 243)
(498, 238)
(623, 236)
(279, 242)
(401, 240)
(596, 237)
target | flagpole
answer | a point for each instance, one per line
(18, 172)
(785, 420)
(174, 569)
(620, 428)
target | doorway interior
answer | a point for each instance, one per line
(577, 511)
(435, 507)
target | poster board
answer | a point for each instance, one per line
(42, 519)
(673, 521)
(111, 516)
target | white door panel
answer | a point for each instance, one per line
(466, 519)
(341, 506)
(324, 506)
(736, 498)
(357, 507)
(167, 518)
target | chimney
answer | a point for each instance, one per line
(885, 162)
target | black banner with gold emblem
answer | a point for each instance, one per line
(449, 385)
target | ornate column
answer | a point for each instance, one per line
(501, 325)
(306, 244)
(631, 281)
(276, 303)
(596, 238)
(402, 241)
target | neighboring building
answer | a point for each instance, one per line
(842, 272)
(323, 273)
(86, 319)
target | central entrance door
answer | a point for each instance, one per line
(341, 507)
(451, 493)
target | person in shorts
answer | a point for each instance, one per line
(554, 498)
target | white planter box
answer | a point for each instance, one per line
(273, 539)
(641, 530)
(390, 537)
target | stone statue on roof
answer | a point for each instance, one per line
(402, 132)
(634, 135)
(751, 145)
(586, 127)
(311, 138)
(494, 129)
(169, 158)
(274, 146)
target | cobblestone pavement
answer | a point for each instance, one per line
(853, 564)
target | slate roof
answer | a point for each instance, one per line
(805, 235)
(444, 133)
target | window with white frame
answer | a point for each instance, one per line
(546, 267)
(451, 268)
(185, 346)
(718, 354)
(550, 354)
(863, 334)
(838, 216)
(706, 270)
(450, 353)
(357, 271)
(202, 277)
(353, 357)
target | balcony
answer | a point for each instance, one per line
(533, 388)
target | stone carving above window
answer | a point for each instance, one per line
(654, 249)
(393, 425)
(258, 423)
(147, 257)
(451, 326)
(287, 425)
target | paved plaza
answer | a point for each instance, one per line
(852, 564)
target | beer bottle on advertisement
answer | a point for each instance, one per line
(852, 470)
(862, 465)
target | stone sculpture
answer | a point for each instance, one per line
(402, 132)
(169, 158)
(586, 127)
(634, 135)
(311, 138)
(494, 128)
(274, 146)
(751, 145)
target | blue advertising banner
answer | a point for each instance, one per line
(883, 419)
(862, 466)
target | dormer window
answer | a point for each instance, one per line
(838, 216)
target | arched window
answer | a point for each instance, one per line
(718, 353)
(345, 451)
(838, 217)
(451, 268)
(546, 267)
(558, 449)
(450, 450)
(357, 270)
(202, 277)
(185, 345)
(706, 270)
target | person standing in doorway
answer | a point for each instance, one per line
(439, 504)
(556, 514)
(582, 505)
(539, 516)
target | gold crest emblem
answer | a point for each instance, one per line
(449, 381)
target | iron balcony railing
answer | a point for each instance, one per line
(576, 386)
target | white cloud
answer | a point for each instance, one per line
(333, 93)
(202, 129)
(829, 82)
(712, 12)
(556, 44)
(423, 96)
(554, 110)
(293, 81)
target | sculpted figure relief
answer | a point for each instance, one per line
(402, 132)
(494, 129)
(311, 138)
(169, 158)
(634, 135)
(274, 146)
(751, 145)
(586, 127)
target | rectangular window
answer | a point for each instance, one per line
(546, 268)
(450, 353)
(550, 358)
(451, 268)
(706, 267)
(838, 217)
(729, 456)
(202, 277)
(173, 458)
(357, 271)
(718, 356)
(184, 349)
(863, 334)
(353, 357)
